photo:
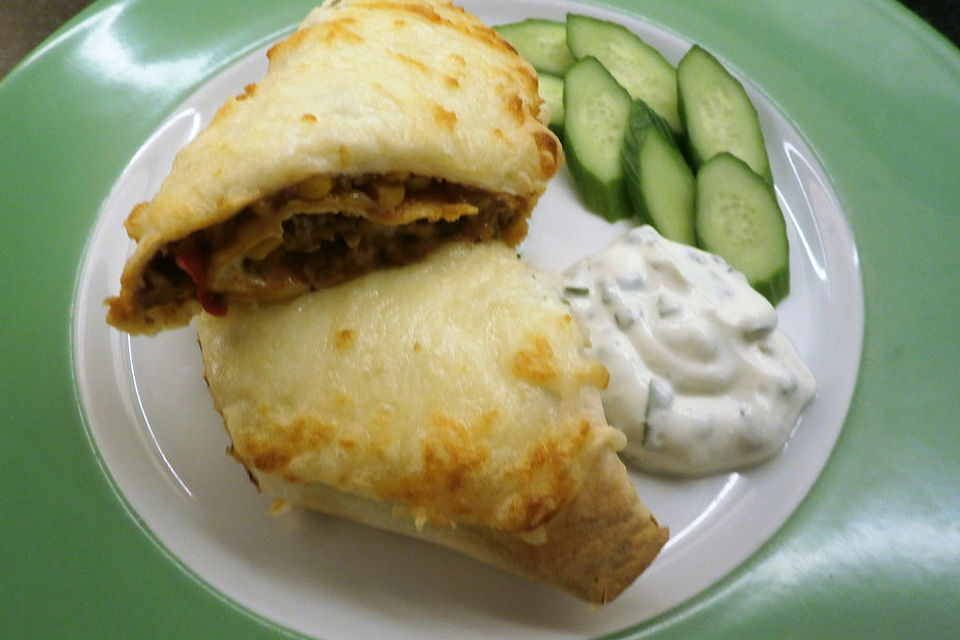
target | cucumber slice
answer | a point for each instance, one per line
(717, 113)
(551, 90)
(596, 111)
(542, 42)
(659, 181)
(737, 218)
(638, 67)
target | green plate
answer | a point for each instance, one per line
(872, 550)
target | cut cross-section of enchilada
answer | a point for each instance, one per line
(382, 130)
(449, 400)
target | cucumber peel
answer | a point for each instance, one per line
(738, 218)
(659, 181)
(551, 92)
(717, 113)
(638, 67)
(596, 113)
(543, 43)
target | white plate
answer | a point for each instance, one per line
(162, 443)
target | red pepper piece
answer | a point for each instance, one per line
(193, 262)
(213, 305)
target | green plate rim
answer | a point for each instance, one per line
(872, 549)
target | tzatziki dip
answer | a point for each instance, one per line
(701, 380)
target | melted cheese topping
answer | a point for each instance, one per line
(456, 388)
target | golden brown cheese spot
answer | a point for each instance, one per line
(450, 456)
(344, 338)
(270, 460)
(295, 41)
(535, 362)
(444, 118)
(248, 91)
(337, 31)
(334, 31)
(510, 47)
(275, 50)
(487, 421)
(528, 77)
(514, 106)
(545, 472)
(132, 223)
(418, 9)
(595, 374)
(550, 152)
(458, 22)
(271, 451)
(224, 111)
(453, 457)
(452, 82)
(278, 506)
(413, 62)
(308, 117)
(490, 37)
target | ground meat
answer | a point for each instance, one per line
(322, 250)
(163, 282)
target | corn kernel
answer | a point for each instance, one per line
(389, 195)
(315, 187)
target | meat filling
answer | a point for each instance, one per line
(282, 246)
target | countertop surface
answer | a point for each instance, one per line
(24, 24)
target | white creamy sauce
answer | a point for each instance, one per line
(701, 381)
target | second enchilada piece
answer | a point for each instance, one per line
(449, 400)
